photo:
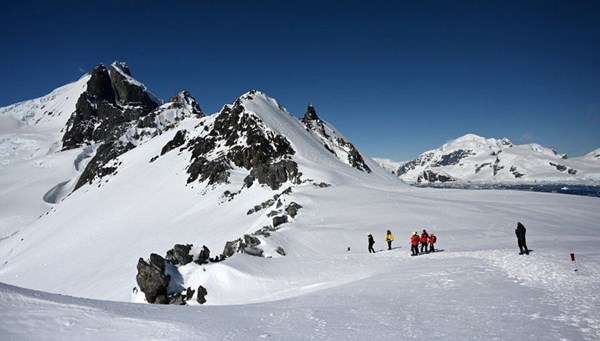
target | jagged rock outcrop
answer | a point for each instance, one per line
(177, 141)
(201, 297)
(180, 255)
(104, 162)
(452, 158)
(431, 176)
(119, 113)
(129, 92)
(180, 106)
(292, 209)
(204, 255)
(152, 280)
(107, 108)
(250, 146)
(337, 145)
(279, 220)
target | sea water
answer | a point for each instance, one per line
(585, 190)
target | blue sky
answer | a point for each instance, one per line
(396, 77)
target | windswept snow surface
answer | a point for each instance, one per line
(86, 246)
(478, 287)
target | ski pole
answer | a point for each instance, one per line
(573, 260)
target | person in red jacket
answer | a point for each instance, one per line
(432, 240)
(414, 242)
(424, 240)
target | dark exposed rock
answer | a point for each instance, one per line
(312, 122)
(107, 113)
(161, 299)
(201, 298)
(177, 299)
(128, 92)
(478, 168)
(354, 158)
(405, 168)
(453, 158)
(229, 195)
(231, 247)
(216, 171)
(258, 152)
(559, 167)
(280, 220)
(563, 168)
(431, 176)
(99, 87)
(496, 167)
(177, 141)
(217, 259)
(280, 250)
(292, 209)
(100, 165)
(100, 113)
(265, 231)
(152, 280)
(204, 255)
(189, 293)
(250, 244)
(184, 99)
(262, 206)
(275, 174)
(322, 185)
(180, 255)
(516, 173)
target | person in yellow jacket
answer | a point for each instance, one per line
(389, 238)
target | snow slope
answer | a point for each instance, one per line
(476, 159)
(478, 287)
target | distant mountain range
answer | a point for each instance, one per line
(473, 158)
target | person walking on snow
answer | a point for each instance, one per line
(389, 238)
(520, 232)
(414, 244)
(432, 240)
(371, 242)
(424, 240)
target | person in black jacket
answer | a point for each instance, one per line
(371, 242)
(520, 232)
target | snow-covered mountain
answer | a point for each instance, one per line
(131, 167)
(262, 218)
(477, 159)
(389, 164)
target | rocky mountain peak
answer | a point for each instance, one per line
(337, 145)
(130, 92)
(99, 86)
(112, 101)
(184, 99)
(122, 67)
(311, 114)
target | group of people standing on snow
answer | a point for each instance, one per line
(426, 240)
